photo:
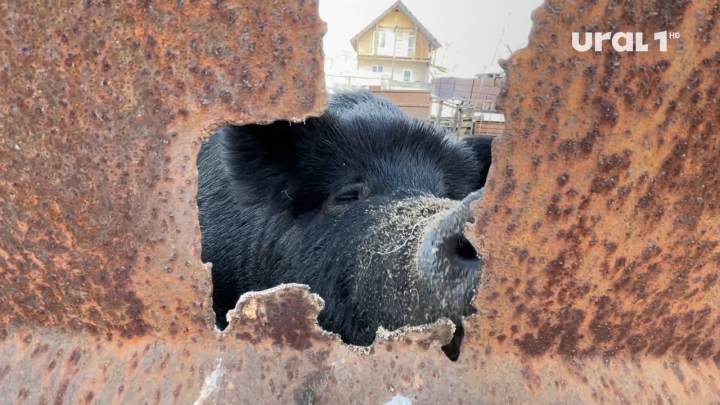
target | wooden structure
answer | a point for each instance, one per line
(472, 104)
(412, 102)
(396, 44)
(465, 120)
(419, 104)
(481, 127)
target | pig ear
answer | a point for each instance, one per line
(261, 160)
(481, 147)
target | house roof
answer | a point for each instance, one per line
(398, 5)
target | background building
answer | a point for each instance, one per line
(397, 46)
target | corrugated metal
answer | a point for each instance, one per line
(469, 89)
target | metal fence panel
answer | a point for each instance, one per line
(599, 227)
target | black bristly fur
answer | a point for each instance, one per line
(481, 145)
(270, 212)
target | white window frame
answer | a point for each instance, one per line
(411, 49)
(407, 70)
(377, 69)
(376, 39)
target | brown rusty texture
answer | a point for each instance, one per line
(103, 109)
(601, 223)
(599, 226)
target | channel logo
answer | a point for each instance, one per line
(632, 42)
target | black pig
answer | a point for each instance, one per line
(364, 204)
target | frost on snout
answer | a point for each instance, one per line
(445, 256)
(417, 262)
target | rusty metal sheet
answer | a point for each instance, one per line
(599, 227)
(601, 224)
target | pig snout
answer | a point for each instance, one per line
(445, 255)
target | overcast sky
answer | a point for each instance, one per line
(474, 33)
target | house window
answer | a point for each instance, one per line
(407, 75)
(378, 69)
(379, 39)
(411, 46)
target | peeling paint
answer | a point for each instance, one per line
(399, 400)
(210, 384)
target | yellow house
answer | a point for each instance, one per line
(396, 45)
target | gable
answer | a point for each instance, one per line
(398, 15)
(396, 19)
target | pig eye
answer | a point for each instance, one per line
(348, 194)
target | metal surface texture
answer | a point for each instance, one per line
(599, 227)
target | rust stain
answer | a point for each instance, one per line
(618, 253)
(103, 110)
(599, 227)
